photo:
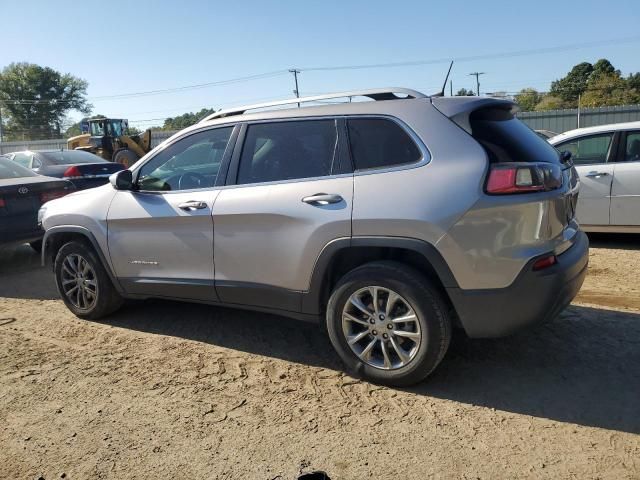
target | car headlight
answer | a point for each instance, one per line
(41, 213)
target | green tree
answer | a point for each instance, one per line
(550, 102)
(569, 87)
(186, 119)
(603, 67)
(463, 92)
(36, 100)
(609, 89)
(528, 98)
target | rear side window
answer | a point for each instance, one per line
(10, 169)
(507, 139)
(588, 150)
(69, 157)
(288, 150)
(379, 143)
(23, 159)
(632, 150)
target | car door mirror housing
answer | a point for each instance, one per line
(565, 156)
(122, 180)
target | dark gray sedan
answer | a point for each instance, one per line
(22, 193)
(83, 169)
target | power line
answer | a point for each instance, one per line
(516, 53)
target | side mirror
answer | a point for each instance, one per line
(565, 156)
(122, 180)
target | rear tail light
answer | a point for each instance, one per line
(545, 262)
(2, 204)
(72, 172)
(47, 196)
(507, 178)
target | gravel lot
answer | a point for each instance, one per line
(169, 390)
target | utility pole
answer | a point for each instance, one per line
(451, 88)
(295, 77)
(477, 75)
(579, 98)
(0, 124)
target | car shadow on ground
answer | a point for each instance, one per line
(23, 276)
(622, 241)
(582, 368)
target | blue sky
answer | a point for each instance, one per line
(173, 44)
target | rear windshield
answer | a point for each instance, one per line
(507, 139)
(67, 157)
(10, 169)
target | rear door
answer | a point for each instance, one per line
(161, 235)
(591, 156)
(286, 200)
(625, 190)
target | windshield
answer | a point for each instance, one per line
(10, 169)
(97, 129)
(67, 157)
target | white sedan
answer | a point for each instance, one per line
(607, 158)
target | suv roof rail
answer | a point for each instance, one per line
(388, 93)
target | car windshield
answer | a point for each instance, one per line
(68, 157)
(9, 169)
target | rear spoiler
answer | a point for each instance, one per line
(458, 109)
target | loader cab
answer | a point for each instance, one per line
(110, 127)
(105, 134)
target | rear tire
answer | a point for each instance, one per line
(125, 157)
(83, 283)
(399, 342)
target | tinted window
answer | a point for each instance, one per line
(192, 162)
(10, 169)
(69, 157)
(377, 142)
(288, 150)
(507, 139)
(23, 158)
(632, 150)
(587, 150)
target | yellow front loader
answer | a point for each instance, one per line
(109, 138)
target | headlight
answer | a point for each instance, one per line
(41, 213)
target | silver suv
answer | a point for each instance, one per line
(389, 220)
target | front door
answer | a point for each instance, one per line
(625, 190)
(288, 202)
(161, 234)
(590, 155)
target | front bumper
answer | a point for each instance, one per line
(534, 297)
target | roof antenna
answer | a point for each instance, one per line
(444, 85)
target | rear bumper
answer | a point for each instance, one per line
(534, 297)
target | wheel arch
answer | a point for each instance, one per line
(343, 255)
(55, 237)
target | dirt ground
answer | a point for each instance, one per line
(169, 390)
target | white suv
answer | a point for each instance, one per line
(607, 158)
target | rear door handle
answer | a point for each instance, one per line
(192, 205)
(322, 199)
(595, 174)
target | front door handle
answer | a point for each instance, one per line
(595, 174)
(322, 199)
(192, 205)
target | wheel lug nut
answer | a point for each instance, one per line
(381, 317)
(390, 326)
(372, 321)
(374, 332)
(384, 335)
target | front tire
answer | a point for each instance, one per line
(83, 283)
(388, 323)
